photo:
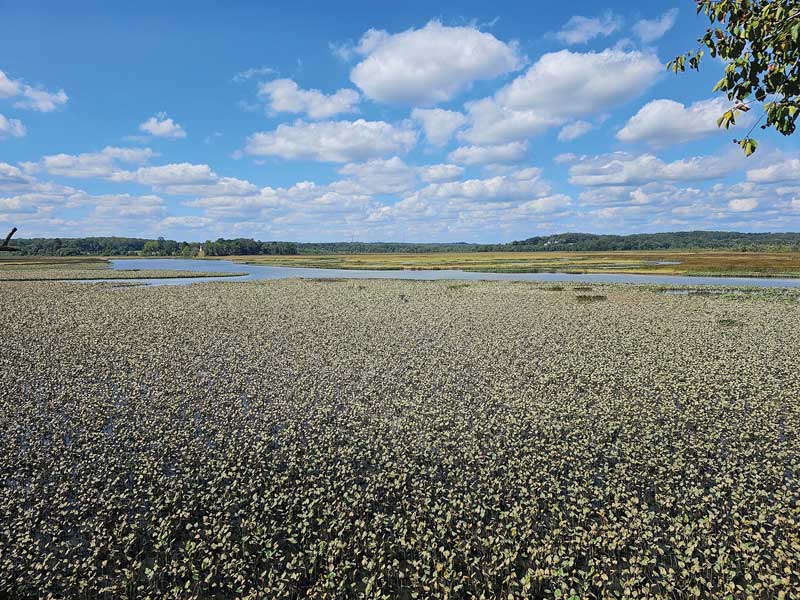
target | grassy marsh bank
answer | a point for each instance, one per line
(704, 263)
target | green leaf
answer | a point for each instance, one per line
(749, 146)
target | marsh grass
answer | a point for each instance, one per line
(587, 298)
(700, 263)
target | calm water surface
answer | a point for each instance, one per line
(263, 272)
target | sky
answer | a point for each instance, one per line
(373, 121)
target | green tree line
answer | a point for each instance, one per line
(563, 242)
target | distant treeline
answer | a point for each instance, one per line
(121, 246)
(563, 242)
(679, 240)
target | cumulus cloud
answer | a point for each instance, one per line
(664, 122)
(105, 164)
(524, 184)
(651, 30)
(189, 222)
(163, 127)
(41, 100)
(11, 128)
(429, 65)
(579, 30)
(622, 168)
(222, 186)
(781, 170)
(284, 95)
(574, 130)
(570, 84)
(743, 204)
(124, 205)
(492, 123)
(560, 86)
(378, 176)
(175, 174)
(31, 98)
(391, 176)
(440, 173)
(10, 173)
(439, 124)
(8, 87)
(517, 200)
(482, 155)
(333, 141)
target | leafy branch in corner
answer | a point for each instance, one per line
(759, 42)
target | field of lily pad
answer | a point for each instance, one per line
(397, 439)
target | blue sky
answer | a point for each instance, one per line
(412, 121)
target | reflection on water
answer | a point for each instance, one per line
(264, 272)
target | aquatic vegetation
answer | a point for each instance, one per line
(583, 298)
(394, 439)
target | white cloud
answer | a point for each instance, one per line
(26, 187)
(579, 30)
(284, 95)
(558, 87)
(378, 176)
(224, 186)
(124, 205)
(190, 222)
(10, 173)
(493, 206)
(650, 30)
(784, 170)
(621, 168)
(391, 176)
(8, 87)
(664, 122)
(11, 128)
(41, 100)
(441, 173)
(161, 126)
(32, 98)
(104, 164)
(491, 123)
(482, 155)
(569, 84)
(439, 124)
(429, 65)
(525, 184)
(332, 141)
(743, 204)
(175, 174)
(574, 130)
(243, 76)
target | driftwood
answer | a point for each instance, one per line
(5, 247)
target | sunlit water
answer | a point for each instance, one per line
(256, 272)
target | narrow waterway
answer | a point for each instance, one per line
(255, 272)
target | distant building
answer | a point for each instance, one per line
(201, 252)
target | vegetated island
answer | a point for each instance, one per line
(36, 268)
